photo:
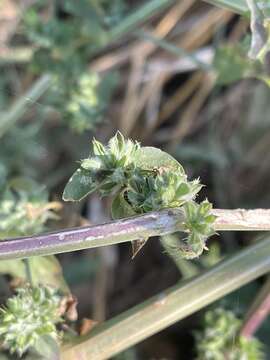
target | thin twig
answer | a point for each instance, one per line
(129, 229)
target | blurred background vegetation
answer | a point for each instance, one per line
(180, 81)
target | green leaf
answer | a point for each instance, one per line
(149, 158)
(79, 185)
(44, 270)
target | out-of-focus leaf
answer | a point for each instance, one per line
(24, 208)
(44, 270)
(63, 48)
(231, 64)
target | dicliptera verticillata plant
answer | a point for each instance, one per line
(150, 194)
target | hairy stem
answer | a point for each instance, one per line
(172, 305)
(145, 226)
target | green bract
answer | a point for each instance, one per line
(28, 316)
(219, 339)
(143, 179)
(199, 225)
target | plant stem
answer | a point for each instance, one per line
(172, 305)
(125, 230)
(20, 107)
(258, 312)
(238, 6)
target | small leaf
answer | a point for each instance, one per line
(45, 270)
(79, 186)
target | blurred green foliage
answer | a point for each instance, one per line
(64, 43)
(219, 338)
(231, 63)
(24, 209)
(28, 317)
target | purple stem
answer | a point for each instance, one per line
(129, 229)
(152, 224)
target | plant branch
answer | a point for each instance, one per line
(258, 312)
(144, 226)
(172, 305)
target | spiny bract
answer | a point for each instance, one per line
(156, 192)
